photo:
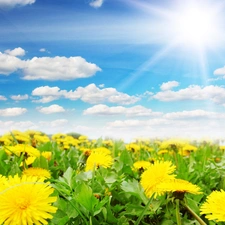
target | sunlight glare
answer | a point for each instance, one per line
(196, 26)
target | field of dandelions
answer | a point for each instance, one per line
(70, 179)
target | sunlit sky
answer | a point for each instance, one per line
(113, 68)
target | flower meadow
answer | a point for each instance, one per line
(70, 179)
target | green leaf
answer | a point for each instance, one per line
(68, 175)
(86, 198)
(134, 188)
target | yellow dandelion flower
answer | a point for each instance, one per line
(141, 165)
(47, 155)
(213, 207)
(21, 148)
(107, 142)
(102, 150)
(154, 175)
(222, 147)
(22, 138)
(83, 138)
(41, 138)
(37, 172)
(163, 151)
(95, 160)
(26, 202)
(178, 185)
(133, 147)
(28, 161)
(5, 141)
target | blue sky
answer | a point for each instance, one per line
(113, 68)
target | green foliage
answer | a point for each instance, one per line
(114, 195)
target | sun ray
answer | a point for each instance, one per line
(193, 27)
(147, 65)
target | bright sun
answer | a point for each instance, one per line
(196, 26)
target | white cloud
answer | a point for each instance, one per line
(15, 52)
(220, 71)
(101, 85)
(120, 110)
(194, 114)
(47, 94)
(12, 111)
(58, 68)
(94, 95)
(96, 3)
(13, 3)
(169, 85)
(178, 125)
(42, 50)
(19, 97)
(46, 91)
(7, 126)
(9, 64)
(193, 92)
(51, 109)
(46, 68)
(52, 124)
(91, 94)
(2, 98)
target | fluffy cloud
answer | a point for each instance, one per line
(46, 91)
(58, 68)
(96, 3)
(15, 52)
(13, 3)
(51, 109)
(46, 68)
(2, 98)
(19, 97)
(193, 92)
(91, 94)
(220, 72)
(12, 111)
(120, 110)
(9, 64)
(169, 85)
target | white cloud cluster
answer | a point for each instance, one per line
(96, 3)
(193, 92)
(137, 110)
(51, 109)
(9, 64)
(46, 68)
(2, 98)
(13, 3)
(16, 111)
(169, 85)
(58, 68)
(19, 97)
(15, 52)
(177, 124)
(194, 114)
(91, 94)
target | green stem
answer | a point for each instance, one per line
(143, 212)
(178, 212)
(194, 214)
